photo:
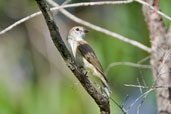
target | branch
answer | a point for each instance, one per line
(146, 87)
(80, 21)
(127, 64)
(137, 86)
(121, 107)
(100, 29)
(113, 3)
(61, 7)
(137, 44)
(19, 22)
(144, 95)
(157, 11)
(83, 4)
(101, 100)
(141, 96)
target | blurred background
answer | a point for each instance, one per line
(34, 78)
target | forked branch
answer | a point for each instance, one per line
(101, 100)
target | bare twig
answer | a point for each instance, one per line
(141, 74)
(66, 2)
(80, 21)
(159, 12)
(145, 87)
(61, 7)
(142, 101)
(127, 64)
(101, 100)
(141, 96)
(125, 100)
(97, 28)
(113, 3)
(88, 24)
(139, 85)
(121, 107)
(19, 22)
(84, 4)
(143, 60)
(144, 95)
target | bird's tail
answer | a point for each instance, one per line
(105, 84)
(106, 88)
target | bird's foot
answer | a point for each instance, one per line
(85, 73)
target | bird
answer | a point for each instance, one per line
(85, 57)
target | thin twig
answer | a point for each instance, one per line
(85, 4)
(141, 96)
(64, 5)
(145, 87)
(159, 12)
(97, 28)
(142, 101)
(127, 64)
(80, 21)
(141, 73)
(65, 2)
(153, 87)
(122, 108)
(137, 44)
(139, 85)
(84, 23)
(100, 29)
(19, 22)
(114, 3)
(143, 60)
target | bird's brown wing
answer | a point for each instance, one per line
(90, 56)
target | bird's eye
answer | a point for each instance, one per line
(77, 29)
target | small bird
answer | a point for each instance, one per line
(85, 57)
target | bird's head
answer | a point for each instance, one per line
(77, 33)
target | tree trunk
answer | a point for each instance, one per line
(160, 56)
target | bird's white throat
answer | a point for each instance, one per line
(73, 45)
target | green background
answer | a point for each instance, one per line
(34, 78)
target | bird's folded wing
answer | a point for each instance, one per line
(90, 56)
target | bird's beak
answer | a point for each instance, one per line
(86, 31)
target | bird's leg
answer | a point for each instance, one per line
(85, 73)
(81, 67)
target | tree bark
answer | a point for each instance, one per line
(160, 40)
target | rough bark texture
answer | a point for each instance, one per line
(101, 100)
(160, 56)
